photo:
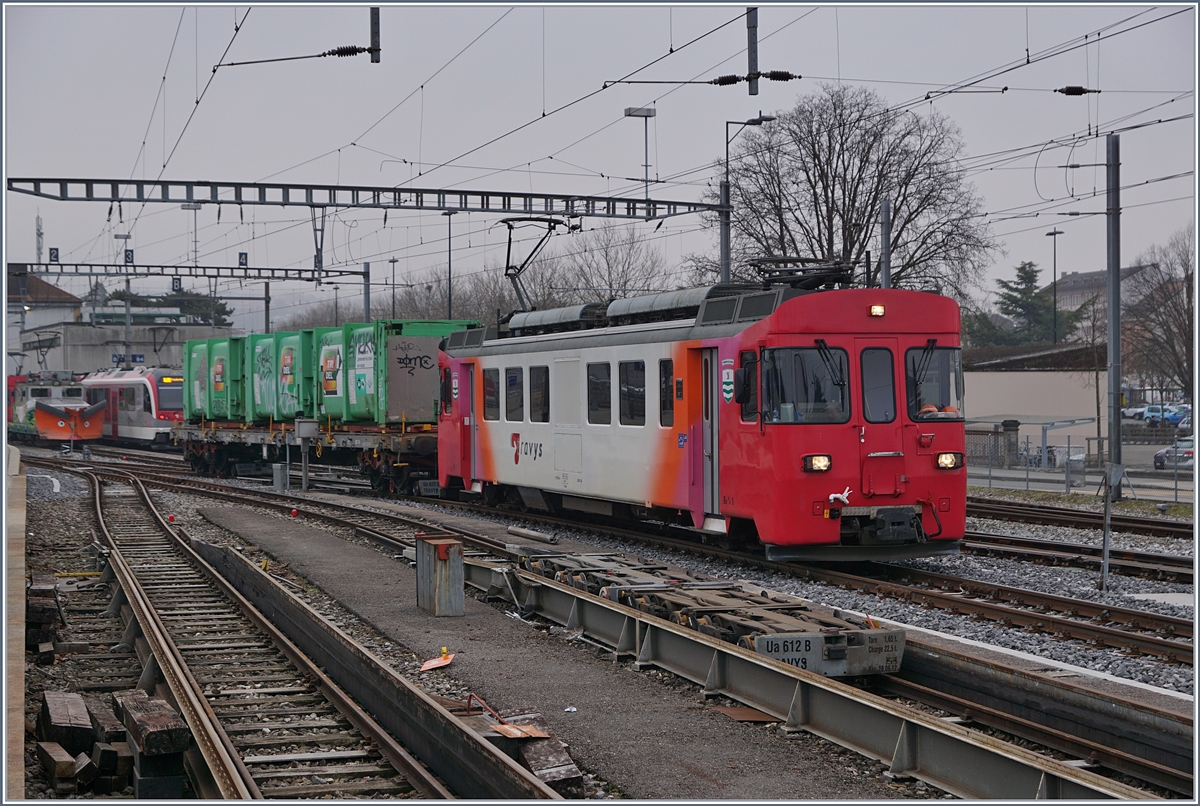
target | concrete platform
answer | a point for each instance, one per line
(14, 625)
(620, 724)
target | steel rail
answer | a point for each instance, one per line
(1095, 753)
(1139, 620)
(420, 777)
(230, 775)
(979, 507)
(1171, 567)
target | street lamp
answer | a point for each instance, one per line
(645, 113)
(393, 261)
(449, 267)
(335, 305)
(725, 207)
(1054, 233)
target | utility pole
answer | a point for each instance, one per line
(885, 247)
(1114, 305)
(393, 261)
(366, 292)
(449, 266)
(266, 307)
(1054, 233)
(752, 49)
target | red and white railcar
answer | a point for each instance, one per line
(825, 423)
(144, 403)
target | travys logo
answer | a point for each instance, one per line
(531, 449)
(727, 385)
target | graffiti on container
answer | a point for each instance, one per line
(411, 359)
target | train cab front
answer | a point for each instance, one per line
(862, 435)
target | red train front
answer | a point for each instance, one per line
(846, 439)
(825, 423)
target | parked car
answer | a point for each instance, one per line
(1152, 415)
(1134, 411)
(1185, 425)
(1181, 455)
(1173, 414)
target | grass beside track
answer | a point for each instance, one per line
(1126, 506)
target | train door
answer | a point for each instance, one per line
(470, 430)
(710, 417)
(878, 417)
(111, 411)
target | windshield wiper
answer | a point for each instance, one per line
(926, 361)
(834, 369)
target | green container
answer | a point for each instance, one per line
(294, 375)
(330, 355)
(195, 373)
(260, 388)
(226, 381)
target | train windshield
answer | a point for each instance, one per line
(170, 396)
(935, 382)
(805, 385)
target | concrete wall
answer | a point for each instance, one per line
(1038, 396)
(85, 348)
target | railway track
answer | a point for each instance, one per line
(979, 507)
(1171, 567)
(1135, 631)
(1163, 644)
(285, 729)
(267, 720)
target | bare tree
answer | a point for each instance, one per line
(1160, 319)
(611, 263)
(810, 184)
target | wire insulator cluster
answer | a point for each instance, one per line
(770, 75)
(346, 50)
(1074, 90)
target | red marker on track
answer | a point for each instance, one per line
(171, 518)
(294, 513)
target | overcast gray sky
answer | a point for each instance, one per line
(106, 92)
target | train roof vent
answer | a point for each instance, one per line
(574, 317)
(457, 339)
(756, 306)
(680, 304)
(474, 337)
(718, 311)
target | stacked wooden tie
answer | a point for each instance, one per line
(84, 747)
(41, 615)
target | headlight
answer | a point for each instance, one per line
(949, 461)
(818, 463)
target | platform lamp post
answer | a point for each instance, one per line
(726, 210)
(645, 113)
(1054, 233)
(335, 305)
(449, 266)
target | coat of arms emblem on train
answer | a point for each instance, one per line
(727, 384)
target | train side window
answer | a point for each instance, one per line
(748, 362)
(599, 383)
(539, 394)
(666, 392)
(129, 398)
(39, 391)
(447, 391)
(632, 377)
(514, 396)
(879, 385)
(491, 394)
(147, 402)
(73, 391)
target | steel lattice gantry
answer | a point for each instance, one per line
(353, 196)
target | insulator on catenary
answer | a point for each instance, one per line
(345, 50)
(780, 75)
(1075, 90)
(723, 81)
